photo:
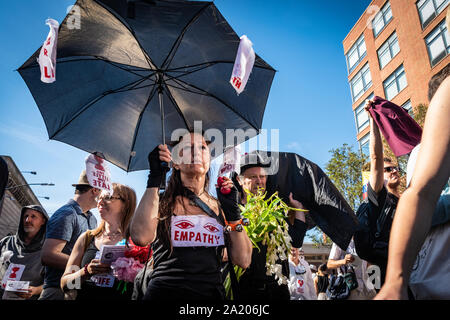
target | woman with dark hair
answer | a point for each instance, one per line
(186, 225)
(321, 282)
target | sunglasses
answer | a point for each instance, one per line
(390, 169)
(108, 198)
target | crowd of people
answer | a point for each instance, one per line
(53, 253)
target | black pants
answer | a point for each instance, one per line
(264, 292)
(160, 292)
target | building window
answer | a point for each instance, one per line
(362, 120)
(408, 107)
(395, 83)
(356, 53)
(361, 82)
(429, 9)
(438, 43)
(381, 19)
(388, 50)
(364, 145)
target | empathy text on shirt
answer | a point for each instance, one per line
(196, 231)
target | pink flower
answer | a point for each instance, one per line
(126, 269)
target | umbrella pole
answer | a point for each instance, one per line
(165, 165)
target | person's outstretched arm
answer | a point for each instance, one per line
(416, 206)
(145, 220)
(297, 226)
(376, 179)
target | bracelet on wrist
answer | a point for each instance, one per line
(237, 226)
(86, 271)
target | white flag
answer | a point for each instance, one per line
(98, 173)
(47, 56)
(231, 161)
(243, 64)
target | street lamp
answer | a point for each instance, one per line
(46, 198)
(31, 184)
(31, 172)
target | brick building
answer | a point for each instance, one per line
(392, 51)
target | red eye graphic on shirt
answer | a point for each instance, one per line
(211, 227)
(184, 224)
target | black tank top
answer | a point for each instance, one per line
(187, 272)
(89, 291)
(322, 283)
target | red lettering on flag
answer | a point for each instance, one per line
(191, 235)
(45, 52)
(210, 239)
(99, 166)
(177, 233)
(198, 237)
(237, 82)
(46, 73)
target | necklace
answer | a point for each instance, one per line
(112, 234)
(192, 202)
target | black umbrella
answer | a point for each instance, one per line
(137, 70)
(289, 172)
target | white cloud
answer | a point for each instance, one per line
(30, 135)
(294, 146)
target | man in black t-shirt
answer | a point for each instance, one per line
(383, 188)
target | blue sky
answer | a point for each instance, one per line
(309, 100)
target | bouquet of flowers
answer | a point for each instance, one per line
(126, 268)
(267, 226)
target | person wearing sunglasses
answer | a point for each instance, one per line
(419, 259)
(115, 211)
(301, 284)
(383, 193)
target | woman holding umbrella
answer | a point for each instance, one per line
(186, 226)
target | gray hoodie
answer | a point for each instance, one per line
(28, 255)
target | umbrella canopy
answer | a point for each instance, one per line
(110, 70)
(328, 209)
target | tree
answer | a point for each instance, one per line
(345, 171)
(318, 238)
(420, 112)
